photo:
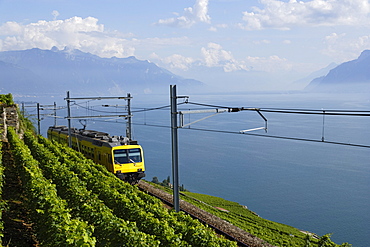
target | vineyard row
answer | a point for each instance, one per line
(75, 202)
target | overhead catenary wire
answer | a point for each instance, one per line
(322, 112)
(253, 134)
(154, 108)
(95, 110)
(284, 137)
(133, 111)
(317, 110)
(332, 112)
(335, 112)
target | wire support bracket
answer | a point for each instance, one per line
(258, 128)
(181, 116)
(218, 111)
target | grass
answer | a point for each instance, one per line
(273, 232)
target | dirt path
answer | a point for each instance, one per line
(17, 228)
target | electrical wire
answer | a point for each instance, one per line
(283, 137)
(143, 110)
(207, 105)
(157, 108)
(153, 109)
(323, 112)
(94, 110)
(254, 134)
(293, 111)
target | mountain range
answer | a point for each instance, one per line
(54, 71)
(349, 76)
(36, 71)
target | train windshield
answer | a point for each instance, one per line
(122, 156)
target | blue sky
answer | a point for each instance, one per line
(246, 44)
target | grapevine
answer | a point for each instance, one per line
(129, 203)
(53, 222)
(109, 229)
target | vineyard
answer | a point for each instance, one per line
(74, 202)
(60, 198)
(274, 233)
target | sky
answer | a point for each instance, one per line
(239, 44)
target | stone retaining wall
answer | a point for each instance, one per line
(8, 117)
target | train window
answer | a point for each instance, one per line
(122, 156)
(135, 155)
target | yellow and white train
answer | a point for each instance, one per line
(119, 155)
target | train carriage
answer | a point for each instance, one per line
(118, 154)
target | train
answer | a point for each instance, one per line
(121, 156)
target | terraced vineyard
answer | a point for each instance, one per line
(76, 202)
(238, 215)
(56, 197)
(274, 233)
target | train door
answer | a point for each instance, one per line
(96, 155)
(107, 161)
(110, 163)
(99, 156)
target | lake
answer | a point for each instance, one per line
(314, 186)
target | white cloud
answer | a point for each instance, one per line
(84, 34)
(285, 15)
(177, 61)
(87, 35)
(11, 28)
(342, 47)
(215, 56)
(55, 14)
(191, 15)
(211, 56)
(269, 64)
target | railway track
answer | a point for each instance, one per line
(219, 225)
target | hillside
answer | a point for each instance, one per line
(303, 82)
(54, 71)
(57, 197)
(349, 76)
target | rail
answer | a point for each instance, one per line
(220, 226)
